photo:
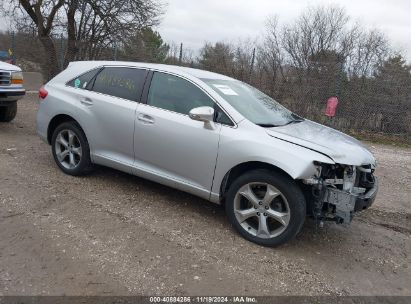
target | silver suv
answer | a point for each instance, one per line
(209, 135)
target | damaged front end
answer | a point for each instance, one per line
(338, 191)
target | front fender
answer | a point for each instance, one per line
(238, 145)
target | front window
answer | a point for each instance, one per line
(253, 104)
(176, 94)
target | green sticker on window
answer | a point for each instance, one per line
(77, 83)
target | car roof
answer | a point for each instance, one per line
(77, 68)
(184, 71)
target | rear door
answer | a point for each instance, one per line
(170, 144)
(108, 113)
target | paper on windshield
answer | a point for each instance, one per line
(225, 89)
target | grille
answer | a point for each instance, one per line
(4, 78)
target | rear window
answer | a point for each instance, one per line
(84, 81)
(121, 82)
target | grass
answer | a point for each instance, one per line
(403, 141)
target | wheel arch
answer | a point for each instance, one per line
(244, 167)
(58, 120)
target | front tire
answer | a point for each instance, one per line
(265, 207)
(9, 112)
(70, 149)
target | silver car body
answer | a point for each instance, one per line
(172, 149)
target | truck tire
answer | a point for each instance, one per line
(8, 113)
(265, 207)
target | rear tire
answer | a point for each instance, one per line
(265, 207)
(71, 150)
(9, 112)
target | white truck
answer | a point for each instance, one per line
(11, 90)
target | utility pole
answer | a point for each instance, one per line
(180, 58)
(61, 52)
(340, 79)
(13, 47)
(115, 51)
(252, 64)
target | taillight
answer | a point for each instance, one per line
(43, 93)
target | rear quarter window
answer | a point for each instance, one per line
(121, 82)
(84, 81)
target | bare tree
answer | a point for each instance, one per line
(188, 57)
(101, 24)
(270, 59)
(324, 54)
(43, 14)
(218, 58)
(368, 52)
(316, 30)
(243, 52)
(89, 26)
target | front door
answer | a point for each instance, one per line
(170, 144)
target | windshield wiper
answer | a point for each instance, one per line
(267, 125)
(293, 122)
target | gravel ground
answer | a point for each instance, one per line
(115, 234)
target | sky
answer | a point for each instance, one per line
(194, 22)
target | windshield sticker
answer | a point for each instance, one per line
(77, 83)
(225, 89)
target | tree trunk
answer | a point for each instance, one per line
(71, 33)
(52, 68)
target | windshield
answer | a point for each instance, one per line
(253, 104)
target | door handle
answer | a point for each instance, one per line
(145, 118)
(86, 101)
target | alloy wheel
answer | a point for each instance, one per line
(68, 149)
(261, 210)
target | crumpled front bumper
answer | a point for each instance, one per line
(346, 203)
(367, 199)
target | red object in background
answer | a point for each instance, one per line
(332, 104)
(43, 93)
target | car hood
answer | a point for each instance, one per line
(8, 67)
(343, 149)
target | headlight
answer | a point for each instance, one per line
(16, 78)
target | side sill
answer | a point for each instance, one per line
(150, 175)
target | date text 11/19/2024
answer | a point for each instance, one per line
(203, 299)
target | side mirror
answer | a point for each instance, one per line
(205, 114)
